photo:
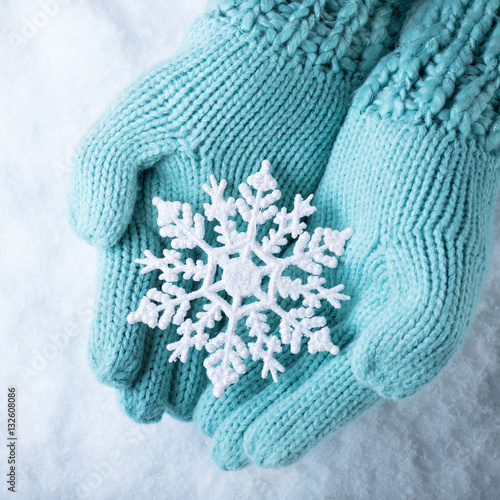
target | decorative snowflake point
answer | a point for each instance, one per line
(251, 283)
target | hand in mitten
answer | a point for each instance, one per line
(252, 80)
(415, 172)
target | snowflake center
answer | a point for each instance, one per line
(241, 277)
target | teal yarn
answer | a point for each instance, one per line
(252, 80)
(415, 172)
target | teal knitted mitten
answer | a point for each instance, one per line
(415, 172)
(252, 80)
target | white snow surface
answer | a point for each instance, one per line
(59, 71)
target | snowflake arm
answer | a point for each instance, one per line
(221, 210)
(265, 346)
(206, 319)
(310, 255)
(186, 231)
(225, 365)
(296, 288)
(288, 224)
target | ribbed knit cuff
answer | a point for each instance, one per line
(330, 33)
(445, 70)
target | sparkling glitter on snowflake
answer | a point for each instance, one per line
(242, 277)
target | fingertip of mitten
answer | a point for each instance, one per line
(98, 229)
(260, 455)
(145, 411)
(111, 378)
(203, 415)
(108, 373)
(228, 456)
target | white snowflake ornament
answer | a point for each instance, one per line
(251, 281)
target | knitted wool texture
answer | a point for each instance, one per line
(415, 172)
(252, 80)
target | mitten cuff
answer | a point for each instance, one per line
(445, 71)
(331, 33)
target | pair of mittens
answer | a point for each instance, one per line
(413, 170)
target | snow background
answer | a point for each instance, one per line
(56, 78)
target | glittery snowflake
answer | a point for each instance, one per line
(241, 282)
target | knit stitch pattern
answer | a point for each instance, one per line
(252, 80)
(415, 171)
